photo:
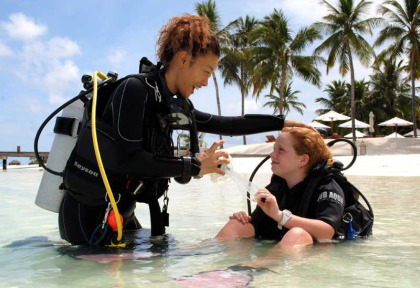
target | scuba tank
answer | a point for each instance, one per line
(66, 131)
(49, 194)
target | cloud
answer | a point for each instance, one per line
(60, 77)
(59, 47)
(302, 12)
(23, 28)
(43, 52)
(251, 106)
(48, 62)
(5, 50)
(34, 105)
(44, 62)
(116, 56)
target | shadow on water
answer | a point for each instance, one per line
(140, 245)
(31, 242)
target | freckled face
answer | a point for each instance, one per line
(195, 73)
(284, 160)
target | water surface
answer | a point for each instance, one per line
(32, 254)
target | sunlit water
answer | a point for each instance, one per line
(32, 254)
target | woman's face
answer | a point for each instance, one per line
(194, 73)
(284, 160)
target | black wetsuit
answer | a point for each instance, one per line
(327, 204)
(140, 149)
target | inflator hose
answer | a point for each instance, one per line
(99, 160)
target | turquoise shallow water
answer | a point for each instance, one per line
(32, 254)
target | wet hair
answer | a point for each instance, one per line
(306, 141)
(186, 33)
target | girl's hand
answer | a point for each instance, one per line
(268, 204)
(241, 217)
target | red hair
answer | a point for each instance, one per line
(306, 141)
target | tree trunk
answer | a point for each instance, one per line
(353, 92)
(243, 113)
(243, 97)
(413, 94)
(282, 86)
(219, 110)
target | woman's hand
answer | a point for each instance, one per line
(268, 203)
(210, 159)
(241, 217)
(293, 123)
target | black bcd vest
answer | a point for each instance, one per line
(81, 175)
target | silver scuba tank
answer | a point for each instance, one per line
(49, 195)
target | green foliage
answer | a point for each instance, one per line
(403, 30)
(266, 55)
(336, 92)
(278, 55)
(291, 101)
(33, 160)
(344, 27)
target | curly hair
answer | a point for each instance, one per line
(186, 33)
(306, 141)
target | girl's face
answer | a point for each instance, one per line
(284, 160)
(194, 73)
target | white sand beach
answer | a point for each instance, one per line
(384, 157)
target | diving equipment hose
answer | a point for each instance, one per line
(119, 243)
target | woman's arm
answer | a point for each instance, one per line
(243, 125)
(237, 125)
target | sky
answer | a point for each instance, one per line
(46, 46)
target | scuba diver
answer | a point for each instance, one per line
(308, 199)
(134, 128)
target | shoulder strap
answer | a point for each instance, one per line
(313, 182)
(318, 173)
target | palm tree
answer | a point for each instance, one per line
(235, 64)
(208, 9)
(290, 101)
(185, 137)
(345, 26)
(361, 90)
(278, 55)
(389, 92)
(404, 30)
(336, 92)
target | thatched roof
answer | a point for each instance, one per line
(14, 162)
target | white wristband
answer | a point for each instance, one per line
(287, 215)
